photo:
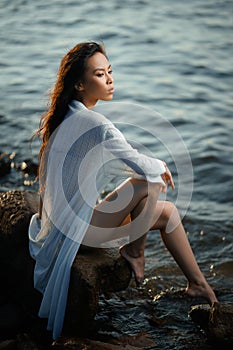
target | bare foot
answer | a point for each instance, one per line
(137, 264)
(202, 290)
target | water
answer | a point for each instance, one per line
(174, 57)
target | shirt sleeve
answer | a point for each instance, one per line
(135, 164)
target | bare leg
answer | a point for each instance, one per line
(134, 251)
(177, 243)
(128, 218)
(148, 213)
(115, 211)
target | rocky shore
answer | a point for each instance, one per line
(94, 272)
(20, 328)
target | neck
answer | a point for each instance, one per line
(88, 104)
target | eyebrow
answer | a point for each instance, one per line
(101, 68)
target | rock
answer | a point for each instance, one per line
(25, 343)
(5, 164)
(135, 342)
(141, 341)
(16, 209)
(28, 166)
(10, 344)
(216, 321)
(16, 265)
(94, 271)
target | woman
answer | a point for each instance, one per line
(79, 148)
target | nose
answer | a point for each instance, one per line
(109, 79)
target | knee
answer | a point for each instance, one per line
(169, 211)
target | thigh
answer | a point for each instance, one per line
(111, 216)
(116, 207)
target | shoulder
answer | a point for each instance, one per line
(80, 113)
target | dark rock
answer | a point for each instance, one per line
(135, 342)
(81, 344)
(10, 344)
(24, 342)
(16, 209)
(16, 265)
(216, 321)
(5, 164)
(94, 271)
(29, 167)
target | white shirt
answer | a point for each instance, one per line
(83, 156)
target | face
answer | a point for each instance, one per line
(98, 81)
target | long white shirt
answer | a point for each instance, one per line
(83, 156)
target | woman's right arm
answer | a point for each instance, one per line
(154, 170)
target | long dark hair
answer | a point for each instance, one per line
(72, 69)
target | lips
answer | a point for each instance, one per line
(111, 91)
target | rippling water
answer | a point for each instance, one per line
(174, 57)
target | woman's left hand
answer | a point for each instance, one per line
(167, 178)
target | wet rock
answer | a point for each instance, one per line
(28, 167)
(16, 265)
(141, 341)
(10, 344)
(16, 209)
(5, 164)
(216, 321)
(24, 342)
(94, 271)
(76, 343)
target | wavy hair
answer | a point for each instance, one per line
(71, 72)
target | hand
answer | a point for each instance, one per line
(167, 178)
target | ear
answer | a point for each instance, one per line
(79, 87)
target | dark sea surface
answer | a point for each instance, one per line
(170, 57)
